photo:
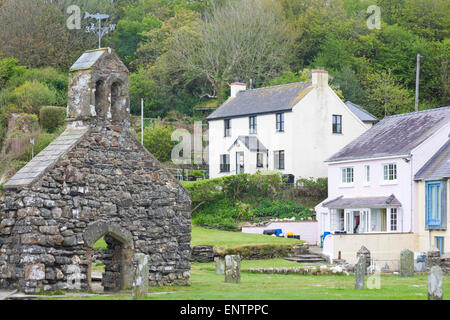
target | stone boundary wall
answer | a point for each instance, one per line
(310, 270)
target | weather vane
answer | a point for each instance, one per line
(98, 29)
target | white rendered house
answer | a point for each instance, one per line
(372, 195)
(292, 128)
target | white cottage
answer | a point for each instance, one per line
(372, 197)
(292, 128)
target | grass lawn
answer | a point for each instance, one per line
(219, 238)
(206, 285)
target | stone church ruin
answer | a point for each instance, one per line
(94, 181)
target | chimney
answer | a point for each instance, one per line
(319, 78)
(236, 87)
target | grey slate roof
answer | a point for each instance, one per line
(252, 143)
(438, 167)
(46, 158)
(262, 100)
(395, 135)
(88, 59)
(364, 202)
(362, 114)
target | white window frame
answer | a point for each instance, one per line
(367, 174)
(393, 211)
(346, 183)
(388, 174)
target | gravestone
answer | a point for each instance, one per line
(140, 281)
(220, 265)
(232, 269)
(360, 272)
(366, 253)
(435, 283)
(407, 263)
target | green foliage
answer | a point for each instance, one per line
(316, 188)
(281, 209)
(40, 143)
(31, 96)
(225, 202)
(158, 140)
(52, 117)
(291, 77)
(8, 69)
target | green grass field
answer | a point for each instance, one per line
(204, 236)
(207, 285)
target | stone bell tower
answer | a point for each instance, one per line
(98, 89)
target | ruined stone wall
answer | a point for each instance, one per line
(108, 176)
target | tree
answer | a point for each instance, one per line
(348, 82)
(35, 32)
(246, 39)
(158, 140)
(387, 95)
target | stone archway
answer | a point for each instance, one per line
(118, 273)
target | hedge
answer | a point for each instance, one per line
(52, 117)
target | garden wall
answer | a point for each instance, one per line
(306, 229)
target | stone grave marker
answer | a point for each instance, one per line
(407, 263)
(220, 265)
(233, 269)
(141, 273)
(360, 272)
(363, 251)
(435, 283)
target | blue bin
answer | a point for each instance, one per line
(278, 232)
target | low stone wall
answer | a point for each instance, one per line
(258, 251)
(202, 254)
(313, 270)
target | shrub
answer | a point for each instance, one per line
(52, 117)
(282, 209)
(317, 188)
(31, 96)
(158, 141)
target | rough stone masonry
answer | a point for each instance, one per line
(96, 180)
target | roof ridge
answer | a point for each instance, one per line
(416, 112)
(275, 86)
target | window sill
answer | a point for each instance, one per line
(350, 185)
(389, 183)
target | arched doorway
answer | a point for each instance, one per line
(118, 273)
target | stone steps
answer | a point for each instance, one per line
(307, 258)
